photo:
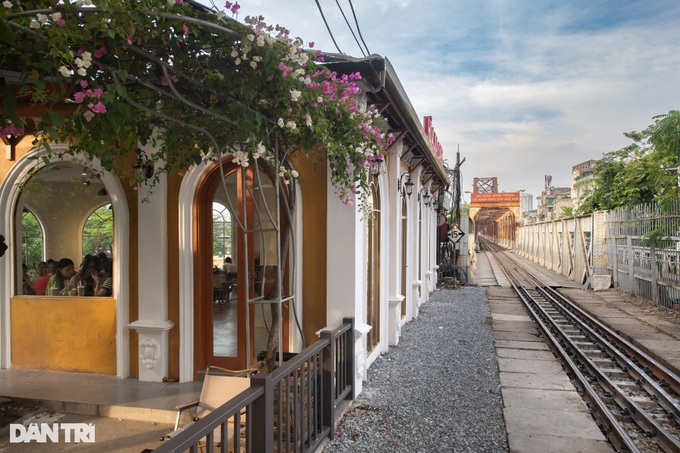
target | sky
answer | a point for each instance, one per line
(524, 88)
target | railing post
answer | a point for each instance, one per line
(263, 412)
(350, 358)
(328, 383)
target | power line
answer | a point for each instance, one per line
(349, 26)
(358, 28)
(327, 27)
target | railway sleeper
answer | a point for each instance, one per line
(602, 360)
(588, 346)
(614, 372)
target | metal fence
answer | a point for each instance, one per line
(291, 409)
(638, 247)
(643, 251)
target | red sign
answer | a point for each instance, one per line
(432, 136)
(499, 199)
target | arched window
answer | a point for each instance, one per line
(98, 231)
(31, 239)
(373, 264)
(221, 231)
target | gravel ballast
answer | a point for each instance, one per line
(437, 390)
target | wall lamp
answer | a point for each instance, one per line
(408, 185)
(376, 166)
(425, 196)
(435, 205)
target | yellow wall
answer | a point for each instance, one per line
(64, 333)
(314, 229)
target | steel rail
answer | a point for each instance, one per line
(581, 340)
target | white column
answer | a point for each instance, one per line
(416, 245)
(345, 286)
(394, 249)
(153, 324)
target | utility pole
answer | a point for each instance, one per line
(456, 187)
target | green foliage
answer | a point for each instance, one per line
(567, 211)
(192, 81)
(98, 232)
(32, 240)
(642, 172)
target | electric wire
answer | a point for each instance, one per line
(358, 28)
(350, 27)
(328, 27)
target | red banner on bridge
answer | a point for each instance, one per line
(496, 200)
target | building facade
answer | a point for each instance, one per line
(168, 316)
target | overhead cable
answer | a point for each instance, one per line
(350, 27)
(327, 27)
(358, 28)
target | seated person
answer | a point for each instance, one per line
(40, 285)
(104, 281)
(28, 284)
(58, 281)
(84, 277)
(229, 266)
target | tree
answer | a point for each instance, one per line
(190, 80)
(642, 172)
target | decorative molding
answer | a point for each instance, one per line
(149, 353)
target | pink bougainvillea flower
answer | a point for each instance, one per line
(100, 52)
(79, 97)
(98, 107)
(83, 83)
(129, 40)
(185, 29)
(88, 115)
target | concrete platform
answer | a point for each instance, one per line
(128, 415)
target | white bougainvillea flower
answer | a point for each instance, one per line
(7, 4)
(241, 158)
(295, 95)
(64, 71)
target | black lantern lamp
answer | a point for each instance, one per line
(375, 166)
(424, 195)
(408, 184)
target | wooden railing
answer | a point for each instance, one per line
(291, 409)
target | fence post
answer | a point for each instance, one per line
(349, 368)
(328, 382)
(655, 271)
(263, 412)
(631, 264)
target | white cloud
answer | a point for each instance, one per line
(526, 88)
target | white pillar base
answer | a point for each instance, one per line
(153, 349)
(394, 319)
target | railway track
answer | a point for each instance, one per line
(633, 397)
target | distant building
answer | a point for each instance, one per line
(526, 204)
(552, 200)
(582, 180)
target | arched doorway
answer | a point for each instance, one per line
(10, 193)
(233, 306)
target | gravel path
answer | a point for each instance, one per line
(437, 391)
